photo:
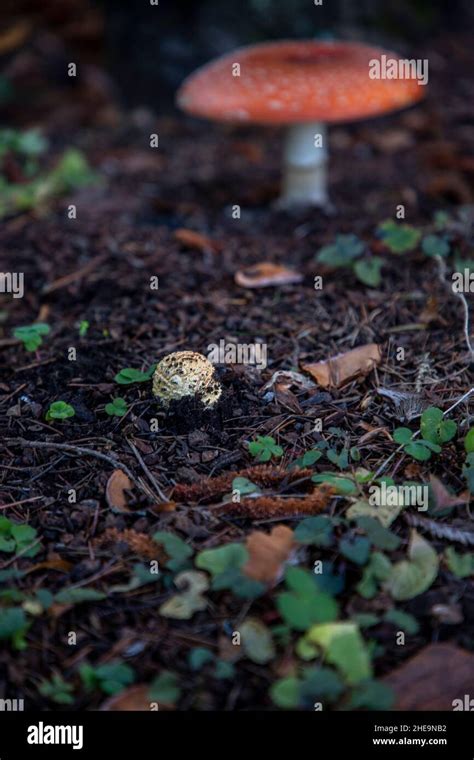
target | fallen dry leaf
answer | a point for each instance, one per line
(192, 239)
(444, 499)
(55, 562)
(265, 274)
(340, 369)
(135, 699)
(433, 679)
(13, 37)
(183, 606)
(268, 553)
(289, 379)
(115, 493)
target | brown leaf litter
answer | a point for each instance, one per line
(433, 679)
(342, 368)
(266, 274)
(140, 543)
(268, 553)
(263, 475)
(263, 507)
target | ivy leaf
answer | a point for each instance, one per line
(419, 452)
(402, 435)
(177, 550)
(399, 238)
(340, 484)
(225, 565)
(314, 530)
(385, 513)
(217, 561)
(200, 656)
(244, 486)
(165, 688)
(357, 549)
(377, 571)
(344, 647)
(60, 410)
(371, 695)
(435, 428)
(13, 626)
(117, 407)
(461, 565)
(342, 252)
(285, 693)
(377, 534)
(402, 620)
(368, 271)
(129, 375)
(257, 641)
(320, 683)
(414, 575)
(435, 245)
(183, 606)
(264, 448)
(78, 595)
(469, 441)
(304, 604)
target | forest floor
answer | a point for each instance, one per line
(86, 617)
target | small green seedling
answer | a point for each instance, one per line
(418, 449)
(83, 328)
(435, 245)
(399, 238)
(346, 252)
(435, 431)
(60, 410)
(31, 335)
(128, 375)
(435, 428)
(264, 448)
(110, 678)
(15, 538)
(469, 441)
(57, 690)
(342, 252)
(117, 408)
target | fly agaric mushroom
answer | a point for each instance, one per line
(303, 85)
(185, 374)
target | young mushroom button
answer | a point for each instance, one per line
(186, 374)
(303, 85)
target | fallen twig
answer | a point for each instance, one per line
(441, 530)
(462, 298)
(147, 472)
(71, 449)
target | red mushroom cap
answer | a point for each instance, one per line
(296, 81)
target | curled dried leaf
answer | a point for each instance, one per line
(116, 491)
(265, 274)
(268, 553)
(343, 368)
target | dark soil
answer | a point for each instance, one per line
(421, 158)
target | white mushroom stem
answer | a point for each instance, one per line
(305, 166)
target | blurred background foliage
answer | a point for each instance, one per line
(141, 53)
